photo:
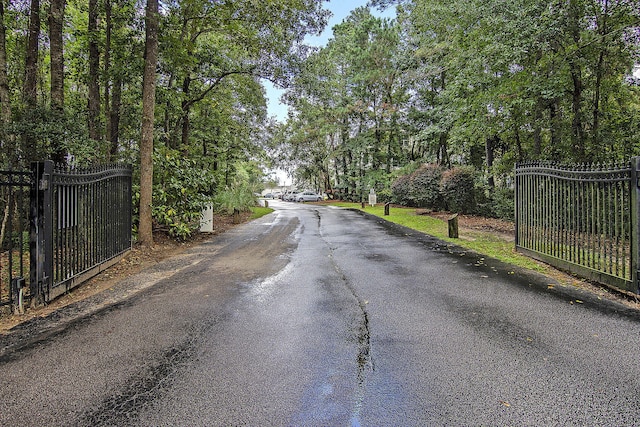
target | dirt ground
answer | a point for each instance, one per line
(139, 258)
(498, 227)
(136, 260)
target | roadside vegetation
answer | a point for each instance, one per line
(259, 211)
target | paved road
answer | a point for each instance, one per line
(315, 316)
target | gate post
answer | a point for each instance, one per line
(41, 232)
(634, 193)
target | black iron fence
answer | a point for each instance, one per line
(83, 223)
(15, 187)
(61, 226)
(582, 218)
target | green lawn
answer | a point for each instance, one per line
(259, 211)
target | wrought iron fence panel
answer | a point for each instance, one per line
(86, 223)
(15, 188)
(579, 217)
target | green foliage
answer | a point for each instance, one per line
(425, 187)
(52, 134)
(181, 190)
(503, 203)
(401, 190)
(238, 197)
(385, 195)
(421, 188)
(458, 189)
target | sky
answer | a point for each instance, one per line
(340, 9)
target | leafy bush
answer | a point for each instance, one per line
(458, 189)
(421, 188)
(401, 190)
(425, 187)
(238, 197)
(483, 201)
(455, 190)
(181, 190)
(384, 195)
(503, 203)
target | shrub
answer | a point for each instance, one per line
(181, 190)
(458, 189)
(483, 201)
(401, 189)
(503, 203)
(425, 187)
(384, 195)
(238, 197)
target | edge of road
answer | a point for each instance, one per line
(40, 329)
(525, 277)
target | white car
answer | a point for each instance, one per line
(290, 196)
(308, 196)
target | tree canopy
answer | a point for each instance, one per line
(485, 83)
(482, 83)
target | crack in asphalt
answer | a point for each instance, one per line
(364, 358)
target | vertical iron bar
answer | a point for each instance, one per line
(556, 218)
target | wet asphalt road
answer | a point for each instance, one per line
(315, 316)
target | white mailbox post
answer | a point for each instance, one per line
(206, 221)
(373, 199)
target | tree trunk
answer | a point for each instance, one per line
(184, 141)
(537, 131)
(56, 22)
(114, 116)
(519, 151)
(443, 150)
(575, 70)
(93, 105)
(29, 93)
(6, 143)
(553, 128)
(577, 134)
(56, 47)
(602, 30)
(490, 146)
(107, 73)
(145, 230)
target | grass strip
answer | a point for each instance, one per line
(259, 211)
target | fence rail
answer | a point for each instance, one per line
(582, 218)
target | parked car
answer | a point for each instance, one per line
(308, 196)
(289, 196)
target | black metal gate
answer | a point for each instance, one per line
(82, 224)
(582, 218)
(60, 226)
(15, 187)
